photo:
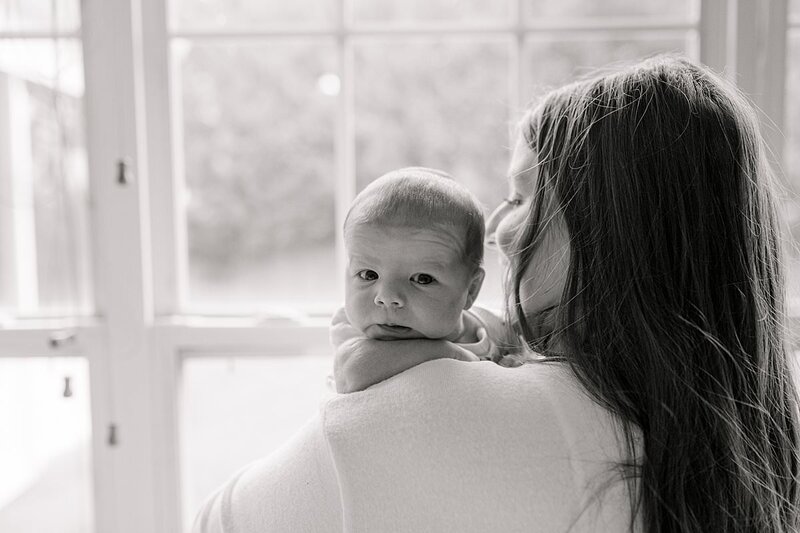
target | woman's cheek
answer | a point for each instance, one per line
(507, 231)
(545, 277)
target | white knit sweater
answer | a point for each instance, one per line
(445, 446)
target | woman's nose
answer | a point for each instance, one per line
(389, 296)
(494, 220)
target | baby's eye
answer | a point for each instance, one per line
(423, 279)
(367, 275)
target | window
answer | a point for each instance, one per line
(182, 293)
(244, 397)
(46, 451)
(279, 119)
(270, 160)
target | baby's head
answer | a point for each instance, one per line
(414, 241)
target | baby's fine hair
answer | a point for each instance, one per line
(424, 198)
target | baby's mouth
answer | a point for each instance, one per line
(392, 331)
(396, 328)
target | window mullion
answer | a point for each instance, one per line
(772, 79)
(714, 34)
(757, 63)
(165, 183)
(345, 189)
(121, 360)
(517, 80)
(169, 257)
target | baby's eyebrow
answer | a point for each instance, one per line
(360, 258)
(433, 267)
(435, 264)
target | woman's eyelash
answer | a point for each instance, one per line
(513, 201)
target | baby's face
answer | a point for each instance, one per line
(407, 283)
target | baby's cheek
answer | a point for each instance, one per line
(356, 309)
(446, 312)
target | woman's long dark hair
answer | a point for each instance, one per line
(673, 311)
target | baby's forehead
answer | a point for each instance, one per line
(444, 242)
(401, 228)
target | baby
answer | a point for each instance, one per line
(414, 242)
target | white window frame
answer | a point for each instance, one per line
(136, 344)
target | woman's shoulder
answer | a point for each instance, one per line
(446, 446)
(525, 440)
(540, 390)
(542, 401)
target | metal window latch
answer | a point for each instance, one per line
(61, 338)
(124, 172)
(112, 434)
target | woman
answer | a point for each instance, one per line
(645, 268)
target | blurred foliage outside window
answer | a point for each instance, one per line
(259, 121)
(260, 170)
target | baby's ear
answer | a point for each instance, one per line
(474, 287)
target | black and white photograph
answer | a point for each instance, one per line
(399, 266)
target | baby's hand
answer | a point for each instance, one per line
(361, 362)
(510, 361)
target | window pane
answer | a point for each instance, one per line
(553, 62)
(441, 104)
(44, 227)
(45, 446)
(539, 9)
(236, 410)
(248, 14)
(259, 163)
(792, 107)
(475, 11)
(41, 15)
(435, 104)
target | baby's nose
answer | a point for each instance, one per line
(389, 297)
